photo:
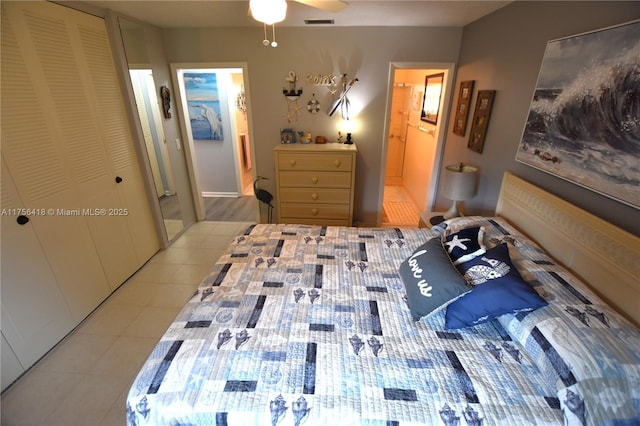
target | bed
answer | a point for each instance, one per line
(318, 325)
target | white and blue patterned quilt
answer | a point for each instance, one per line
(309, 325)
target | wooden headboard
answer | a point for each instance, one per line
(606, 257)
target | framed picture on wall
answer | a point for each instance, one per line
(204, 106)
(583, 123)
(462, 108)
(480, 122)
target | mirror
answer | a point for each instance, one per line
(149, 106)
(431, 101)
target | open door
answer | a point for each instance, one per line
(413, 144)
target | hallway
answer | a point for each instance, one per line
(231, 209)
(398, 210)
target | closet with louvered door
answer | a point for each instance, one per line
(35, 313)
(68, 151)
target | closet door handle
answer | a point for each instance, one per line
(22, 219)
(118, 179)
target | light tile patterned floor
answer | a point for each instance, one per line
(85, 379)
(398, 208)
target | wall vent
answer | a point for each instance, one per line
(318, 21)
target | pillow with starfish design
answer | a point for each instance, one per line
(465, 244)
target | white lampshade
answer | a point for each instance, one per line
(459, 183)
(268, 11)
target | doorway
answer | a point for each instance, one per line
(413, 142)
(217, 132)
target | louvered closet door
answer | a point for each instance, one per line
(35, 314)
(69, 61)
(36, 161)
(118, 141)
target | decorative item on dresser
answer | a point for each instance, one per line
(315, 183)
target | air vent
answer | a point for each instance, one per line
(319, 21)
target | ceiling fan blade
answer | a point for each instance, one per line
(327, 5)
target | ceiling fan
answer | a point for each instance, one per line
(271, 11)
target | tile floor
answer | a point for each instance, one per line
(84, 380)
(398, 208)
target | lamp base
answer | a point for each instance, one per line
(454, 211)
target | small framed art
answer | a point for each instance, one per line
(287, 136)
(480, 122)
(462, 108)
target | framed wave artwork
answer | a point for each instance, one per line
(584, 119)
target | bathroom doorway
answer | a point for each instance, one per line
(413, 144)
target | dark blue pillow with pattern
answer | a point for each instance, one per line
(498, 289)
(465, 244)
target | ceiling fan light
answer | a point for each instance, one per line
(268, 11)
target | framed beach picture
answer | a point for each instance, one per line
(584, 119)
(203, 102)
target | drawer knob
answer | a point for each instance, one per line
(314, 179)
(337, 163)
(314, 196)
(314, 211)
(292, 162)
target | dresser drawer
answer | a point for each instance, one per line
(315, 195)
(311, 211)
(316, 221)
(315, 161)
(314, 179)
(315, 183)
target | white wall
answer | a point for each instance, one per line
(358, 51)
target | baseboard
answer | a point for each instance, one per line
(220, 194)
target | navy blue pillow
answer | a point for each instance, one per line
(465, 244)
(431, 280)
(498, 289)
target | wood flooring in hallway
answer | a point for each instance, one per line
(231, 209)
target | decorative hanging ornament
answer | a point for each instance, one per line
(241, 102)
(313, 106)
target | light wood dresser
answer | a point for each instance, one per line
(315, 183)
